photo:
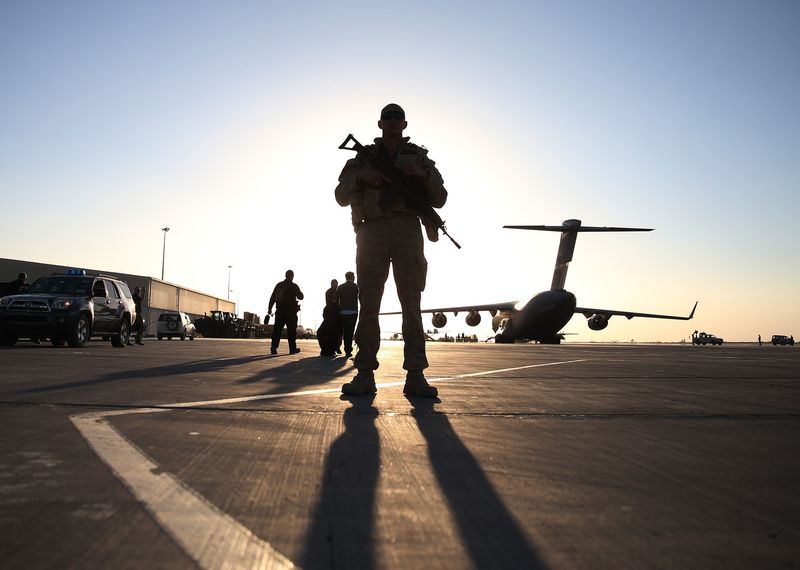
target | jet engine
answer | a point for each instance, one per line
(598, 322)
(473, 318)
(439, 320)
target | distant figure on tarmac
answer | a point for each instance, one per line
(18, 285)
(138, 324)
(347, 299)
(388, 232)
(285, 297)
(330, 294)
(759, 340)
(15, 288)
(329, 333)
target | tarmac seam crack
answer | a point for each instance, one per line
(123, 410)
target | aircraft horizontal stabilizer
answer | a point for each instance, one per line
(566, 228)
(569, 234)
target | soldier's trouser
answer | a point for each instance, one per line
(348, 327)
(397, 241)
(290, 321)
(138, 327)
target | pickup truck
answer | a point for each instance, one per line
(705, 338)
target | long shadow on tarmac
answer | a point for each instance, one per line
(292, 374)
(194, 367)
(341, 533)
(299, 374)
(489, 531)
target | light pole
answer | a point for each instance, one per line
(164, 251)
(229, 282)
(236, 306)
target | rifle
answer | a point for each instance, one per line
(412, 186)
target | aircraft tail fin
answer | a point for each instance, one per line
(569, 234)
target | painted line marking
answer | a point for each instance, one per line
(241, 399)
(211, 537)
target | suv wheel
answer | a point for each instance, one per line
(121, 339)
(80, 332)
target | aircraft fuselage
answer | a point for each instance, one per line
(541, 318)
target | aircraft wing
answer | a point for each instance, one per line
(587, 312)
(506, 306)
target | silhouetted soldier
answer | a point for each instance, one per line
(285, 297)
(18, 285)
(329, 333)
(759, 340)
(138, 324)
(330, 294)
(388, 232)
(347, 299)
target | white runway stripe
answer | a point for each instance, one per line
(212, 538)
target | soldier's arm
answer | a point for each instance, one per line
(271, 301)
(299, 293)
(348, 182)
(434, 184)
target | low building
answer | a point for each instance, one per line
(159, 295)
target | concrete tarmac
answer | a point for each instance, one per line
(212, 454)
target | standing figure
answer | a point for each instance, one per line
(329, 333)
(18, 285)
(759, 340)
(388, 232)
(138, 324)
(330, 294)
(347, 299)
(285, 296)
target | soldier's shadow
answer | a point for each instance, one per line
(341, 533)
(489, 531)
(297, 374)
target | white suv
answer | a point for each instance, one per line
(175, 324)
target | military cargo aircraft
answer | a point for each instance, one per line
(545, 314)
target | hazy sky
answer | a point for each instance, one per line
(221, 121)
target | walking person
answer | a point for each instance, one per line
(388, 232)
(347, 299)
(285, 297)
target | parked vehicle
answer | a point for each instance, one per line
(782, 339)
(69, 308)
(705, 338)
(221, 324)
(175, 324)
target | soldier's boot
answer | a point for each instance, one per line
(417, 385)
(363, 383)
